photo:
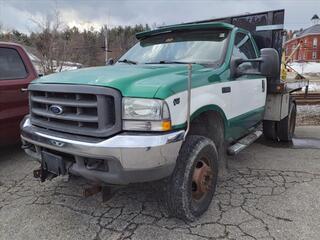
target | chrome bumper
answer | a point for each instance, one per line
(133, 157)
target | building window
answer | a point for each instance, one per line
(314, 55)
(315, 42)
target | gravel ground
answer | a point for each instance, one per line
(308, 115)
(271, 191)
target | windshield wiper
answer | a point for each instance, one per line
(170, 62)
(127, 61)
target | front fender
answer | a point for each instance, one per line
(209, 97)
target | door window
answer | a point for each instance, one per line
(243, 48)
(11, 65)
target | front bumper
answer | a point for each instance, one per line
(131, 157)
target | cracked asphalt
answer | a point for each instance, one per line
(271, 191)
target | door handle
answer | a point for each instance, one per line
(24, 90)
(226, 89)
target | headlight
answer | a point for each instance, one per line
(140, 114)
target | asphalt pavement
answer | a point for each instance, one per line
(271, 191)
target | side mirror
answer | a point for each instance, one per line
(110, 61)
(269, 65)
(237, 69)
(234, 67)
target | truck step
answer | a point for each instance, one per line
(244, 142)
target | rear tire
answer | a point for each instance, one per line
(288, 124)
(191, 187)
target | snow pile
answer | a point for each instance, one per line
(313, 87)
(33, 57)
(306, 67)
(66, 68)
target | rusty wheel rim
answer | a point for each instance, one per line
(201, 179)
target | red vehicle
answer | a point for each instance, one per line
(16, 72)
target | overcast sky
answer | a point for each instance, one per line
(17, 14)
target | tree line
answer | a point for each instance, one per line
(55, 45)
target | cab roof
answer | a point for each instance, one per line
(183, 26)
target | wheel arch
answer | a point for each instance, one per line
(211, 109)
(210, 121)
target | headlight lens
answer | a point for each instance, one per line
(144, 109)
(140, 114)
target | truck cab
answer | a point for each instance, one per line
(16, 72)
(168, 109)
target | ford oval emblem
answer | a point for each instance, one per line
(56, 109)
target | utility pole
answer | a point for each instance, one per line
(106, 42)
(106, 38)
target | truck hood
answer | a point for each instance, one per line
(131, 80)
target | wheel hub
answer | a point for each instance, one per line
(201, 179)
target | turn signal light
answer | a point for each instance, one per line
(166, 125)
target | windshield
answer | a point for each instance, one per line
(203, 47)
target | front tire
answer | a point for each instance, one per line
(191, 187)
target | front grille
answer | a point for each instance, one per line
(84, 110)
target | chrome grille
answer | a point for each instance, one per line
(85, 110)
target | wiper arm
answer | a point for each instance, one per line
(170, 62)
(127, 61)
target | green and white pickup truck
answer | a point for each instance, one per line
(170, 109)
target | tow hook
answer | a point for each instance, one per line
(43, 174)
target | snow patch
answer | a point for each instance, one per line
(306, 67)
(313, 87)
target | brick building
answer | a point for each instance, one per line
(309, 40)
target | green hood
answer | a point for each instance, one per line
(149, 81)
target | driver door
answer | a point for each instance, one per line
(248, 91)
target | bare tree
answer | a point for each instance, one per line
(56, 44)
(50, 43)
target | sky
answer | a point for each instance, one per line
(22, 14)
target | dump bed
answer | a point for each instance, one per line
(265, 27)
